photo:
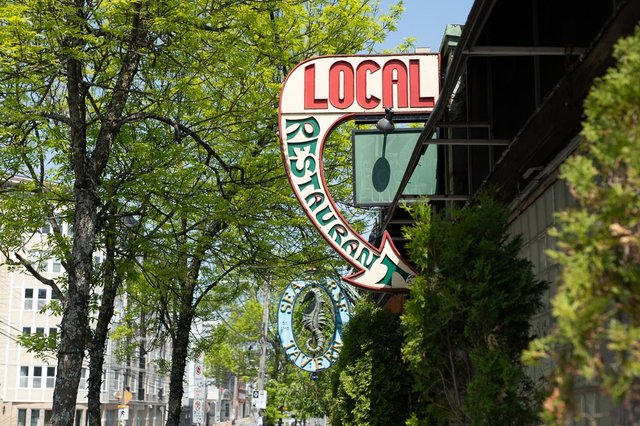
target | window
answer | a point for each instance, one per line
(35, 417)
(84, 380)
(47, 417)
(28, 298)
(51, 379)
(42, 298)
(24, 376)
(56, 267)
(37, 377)
(116, 380)
(46, 228)
(78, 417)
(40, 331)
(22, 417)
(53, 332)
(26, 330)
(54, 295)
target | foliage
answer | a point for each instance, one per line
(163, 114)
(597, 306)
(233, 340)
(467, 317)
(295, 394)
(370, 384)
(42, 345)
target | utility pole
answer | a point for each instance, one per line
(234, 403)
(263, 342)
(263, 336)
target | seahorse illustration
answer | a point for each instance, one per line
(313, 319)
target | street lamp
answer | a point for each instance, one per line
(385, 124)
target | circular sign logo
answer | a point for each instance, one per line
(310, 321)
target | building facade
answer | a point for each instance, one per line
(27, 379)
(514, 79)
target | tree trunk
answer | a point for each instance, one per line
(73, 337)
(178, 364)
(96, 360)
(74, 325)
(98, 342)
(88, 168)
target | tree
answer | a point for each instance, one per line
(597, 305)
(66, 82)
(370, 384)
(467, 317)
(92, 92)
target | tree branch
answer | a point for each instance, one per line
(186, 130)
(33, 271)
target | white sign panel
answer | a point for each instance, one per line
(259, 399)
(123, 414)
(198, 392)
(361, 85)
(198, 411)
(199, 368)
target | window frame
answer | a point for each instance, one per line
(28, 299)
(23, 379)
(36, 382)
(51, 378)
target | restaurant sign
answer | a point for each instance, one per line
(311, 316)
(319, 94)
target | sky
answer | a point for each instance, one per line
(425, 20)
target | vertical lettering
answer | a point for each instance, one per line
(368, 258)
(298, 286)
(313, 181)
(285, 307)
(288, 298)
(309, 126)
(314, 200)
(325, 216)
(308, 165)
(337, 232)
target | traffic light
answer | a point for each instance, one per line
(126, 397)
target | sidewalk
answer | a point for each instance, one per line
(245, 421)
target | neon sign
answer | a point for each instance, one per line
(318, 95)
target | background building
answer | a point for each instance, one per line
(27, 379)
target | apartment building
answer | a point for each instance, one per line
(27, 379)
